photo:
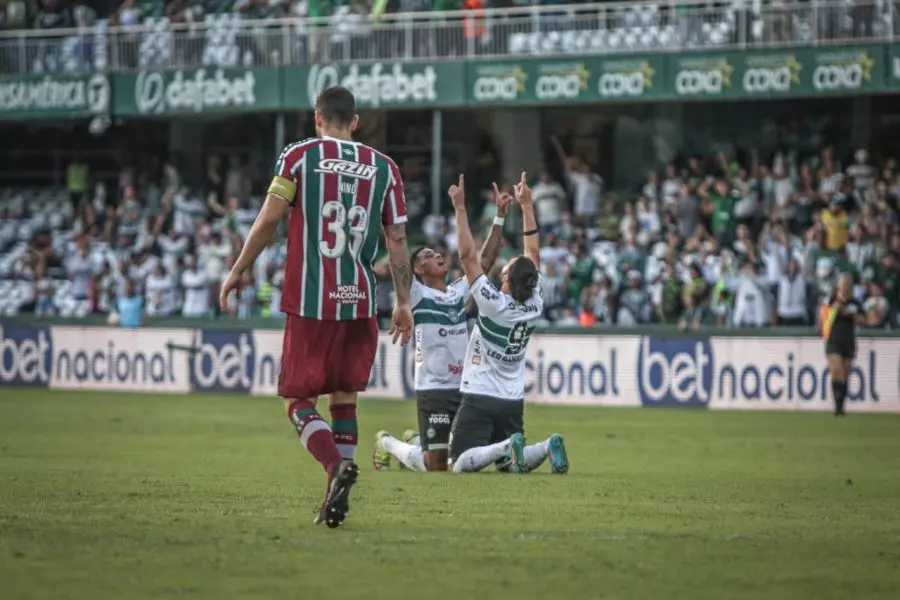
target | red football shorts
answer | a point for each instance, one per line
(321, 357)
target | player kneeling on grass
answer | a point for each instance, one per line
(439, 316)
(489, 425)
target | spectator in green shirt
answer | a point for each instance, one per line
(77, 181)
(670, 306)
(582, 274)
(720, 203)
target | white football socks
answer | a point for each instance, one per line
(411, 456)
(536, 454)
(475, 459)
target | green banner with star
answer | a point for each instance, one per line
(564, 81)
(779, 73)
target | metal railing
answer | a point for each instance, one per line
(633, 27)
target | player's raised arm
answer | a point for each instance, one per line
(261, 233)
(468, 254)
(491, 247)
(531, 242)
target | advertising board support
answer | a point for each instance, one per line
(437, 142)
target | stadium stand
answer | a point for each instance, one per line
(707, 242)
(227, 33)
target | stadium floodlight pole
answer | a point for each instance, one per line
(437, 144)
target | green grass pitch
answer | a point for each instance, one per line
(126, 496)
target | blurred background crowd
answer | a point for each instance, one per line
(743, 241)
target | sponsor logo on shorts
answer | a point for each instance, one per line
(347, 294)
(455, 369)
(438, 419)
(462, 330)
(348, 168)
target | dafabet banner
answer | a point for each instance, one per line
(799, 72)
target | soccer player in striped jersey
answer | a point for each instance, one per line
(340, 194)
(489, 427)
(441, 336)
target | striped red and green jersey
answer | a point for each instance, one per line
(341, 194)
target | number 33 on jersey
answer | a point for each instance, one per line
(341, 193)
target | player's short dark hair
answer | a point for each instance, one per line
(413, 259)
(336, 105)
(523, 278)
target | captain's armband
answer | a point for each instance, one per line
(283, 188)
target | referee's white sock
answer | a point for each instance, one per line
(411, 456)
(536, 454)
(475, 459)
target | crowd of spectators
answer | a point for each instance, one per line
(58, 14)
(232, 33)
(713, 241)
(707, 241)
(144, 237)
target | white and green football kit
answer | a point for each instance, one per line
(441, 336)
(493, 380)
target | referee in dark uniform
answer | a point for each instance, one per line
(841, 315)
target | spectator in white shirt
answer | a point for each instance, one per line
(81, 268)
(670, 186)
(186, 209)
(751, 307)
(586, 186)
(649, 221)
(160, 293)
(860, 249)
(247, 302)
(173, 247)
(784, 187)
(196, 289)
(651, 190)
(142, 266)
(792, 296)
(213, 258)
(549, 201)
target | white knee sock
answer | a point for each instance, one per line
(411, 456)
(536, 454)
(475, 459)
(416, 441)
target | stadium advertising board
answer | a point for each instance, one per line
(562, 81)
(379, 84)
(26, 356)
(762, 373)
(792, 71)
(119, 359)
(195, 91)
(719, 373)
(54, 96)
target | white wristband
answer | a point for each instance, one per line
(498, 221)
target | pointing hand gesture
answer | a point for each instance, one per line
(502, 200)
(523, 192)
(458, 194)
